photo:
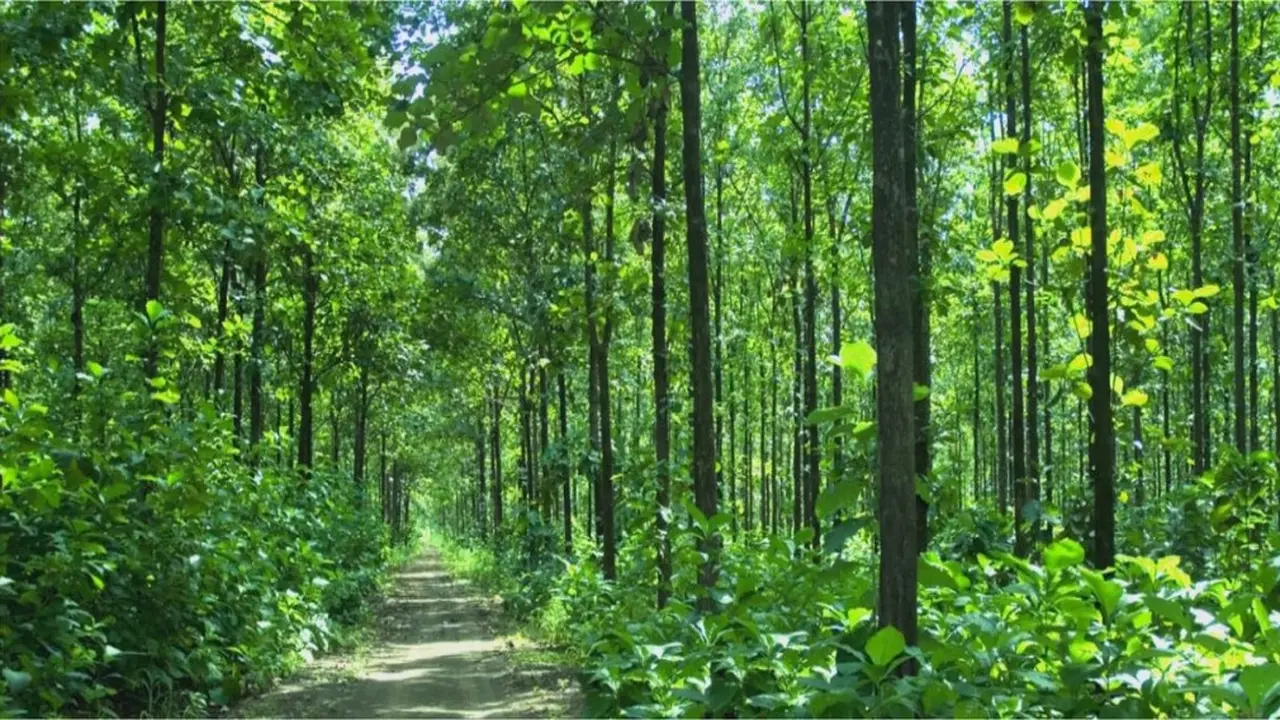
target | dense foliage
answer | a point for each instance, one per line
(975, 274)
(205, 248)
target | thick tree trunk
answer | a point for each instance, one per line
(922, 371)
(893, 332)
(1102, 441)
(605, 511)
(704, 448)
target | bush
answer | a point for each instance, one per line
(156, 572)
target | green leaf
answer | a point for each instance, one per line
(154, 311)
(1107, 592)
(858, 357)
(1063, 554)
(1163, 362)
(1005, 146)
(919, 392)
(1068, 174)
(408, 137)
(518, 90)
(931, 573)
(17, 680)
(1134, 398)
(1015, 183)
(1024, 12)
(885, 645)
(838, 497)
(1258, 681)
(836, 537)
(829, 414)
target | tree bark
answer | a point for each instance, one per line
(893, 332)
(1239, 409)
(305, 421)
(704, 448)
(155, 244)
(1102, 440)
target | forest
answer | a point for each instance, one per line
(764, 358)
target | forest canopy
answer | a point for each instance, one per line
(766, 358)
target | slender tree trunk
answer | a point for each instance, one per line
(495, 447)
(362, 420)
(605, 511)
(482, 459)
(1015, 302)
(305, 423)
(1001, 459)
(1033, 382)
(704, 448)
(566, 470)
(813, 448)
(1239, 409)
(257, 340)
(155, 245)
(1102, 441)
(891, 255)
(661, 386)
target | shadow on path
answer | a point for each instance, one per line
(436, 657)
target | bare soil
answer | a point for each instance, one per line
(437, 655)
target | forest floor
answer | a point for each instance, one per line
(439, 652)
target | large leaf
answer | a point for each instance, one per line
(858, 357)
(1063, 554)
(1258, 681)
(838, 497)
(885, 645)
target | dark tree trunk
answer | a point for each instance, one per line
(155, 244)
(305, 423)
(891, 256)
(495, 448)
(1102, 441)
(922, 370)
(361, 423)
(1001, 459)
(813, 449)
(1239, 409)
(661, 386)
(605, 510)
(1033, 380)
(1015, 302)
(257, 341)
(704, 448)
(566, 470)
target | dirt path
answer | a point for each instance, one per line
(437, 656)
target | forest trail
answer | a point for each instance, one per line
(437, 655)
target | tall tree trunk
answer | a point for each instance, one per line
(482, 459)
(704, 448)
(545, 486)
(891, 256)
(566, 470)
(1033, 382)
(257, 340)
(362, 420)
(922, 371)
(1239, 409)
(155, 244)
(305, 384)
(661, 386)
(1015, 300)
(605, 511)
(813, 448)
(1102, 441)
(495, 448)
(1002, 419)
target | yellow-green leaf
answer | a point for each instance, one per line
(1015, 183)
(1134, 398)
